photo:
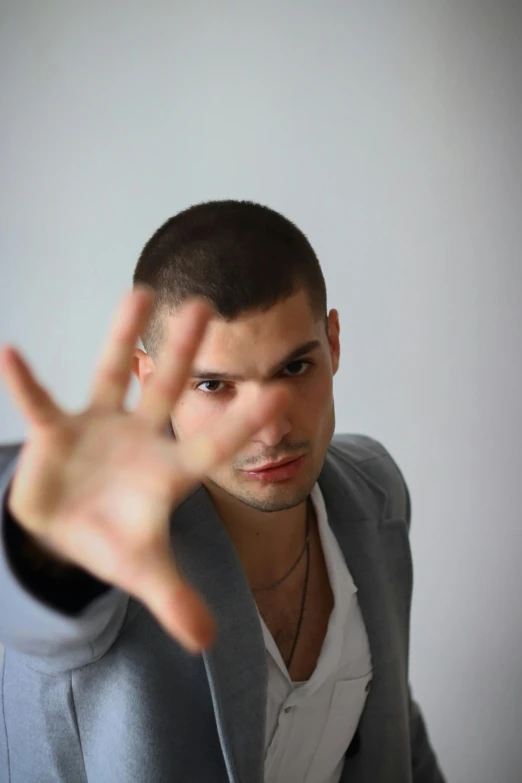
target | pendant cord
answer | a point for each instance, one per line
(305, 550)
(303, 602)
(291, 571)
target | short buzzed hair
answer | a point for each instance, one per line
(240, 255)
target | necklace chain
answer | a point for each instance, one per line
(303, 602)
(292, 569)
(306, 549)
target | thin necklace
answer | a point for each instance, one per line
(303, 602)
(283, 578)
(306, 549)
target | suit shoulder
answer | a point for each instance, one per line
(8, 453)
(369, 457)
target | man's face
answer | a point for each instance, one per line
(259, 348)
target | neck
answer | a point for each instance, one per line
(267, 543)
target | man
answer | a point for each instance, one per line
(220, 517)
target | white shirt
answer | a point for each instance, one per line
(310, 725)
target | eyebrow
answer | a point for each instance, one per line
(205, 375)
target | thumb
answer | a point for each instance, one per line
(174, 603)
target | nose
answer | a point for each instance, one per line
(272, 434)
(274, 430)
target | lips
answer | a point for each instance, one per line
(272, 465)
(281, 471)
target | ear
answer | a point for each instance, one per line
(142, 366)
(333, 339)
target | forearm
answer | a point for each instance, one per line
(50, 614)
(60, 586)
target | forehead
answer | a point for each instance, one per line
(258, 338)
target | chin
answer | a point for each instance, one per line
(270, 504)
(269, 497)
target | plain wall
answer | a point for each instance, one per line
(391, 133)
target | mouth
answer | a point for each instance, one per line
(277, 471)
(278, 464)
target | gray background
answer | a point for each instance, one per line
(391, 133)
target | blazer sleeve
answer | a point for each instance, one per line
(47, 636)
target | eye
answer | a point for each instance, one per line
(299, 367)
(210, 383)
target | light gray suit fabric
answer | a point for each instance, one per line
(107, 697)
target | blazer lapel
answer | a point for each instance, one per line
(371, 546)
(236, 664)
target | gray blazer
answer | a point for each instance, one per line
(106, 696)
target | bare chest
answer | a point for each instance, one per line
(280, 610)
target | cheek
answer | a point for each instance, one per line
(322, 405)
(195, 413)
(318, 397)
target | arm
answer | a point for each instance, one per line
(59, 586)
(59, 618)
